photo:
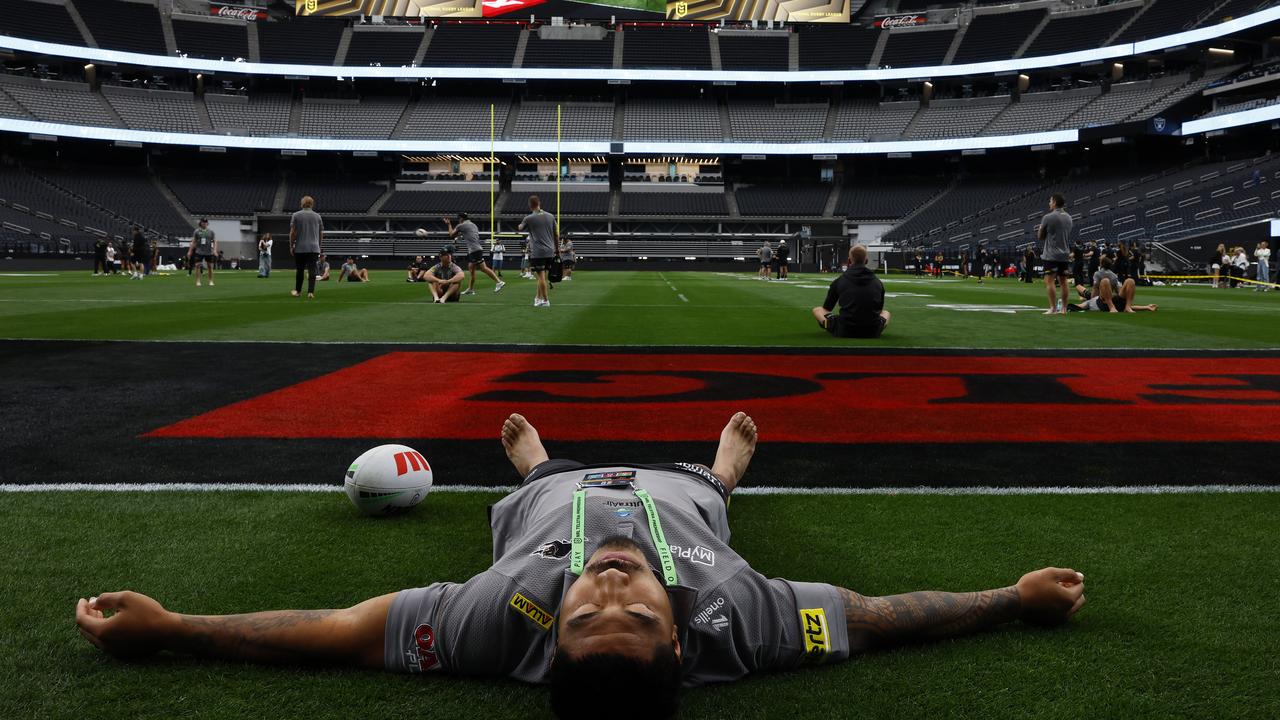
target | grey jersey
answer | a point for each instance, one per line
(1057, 236)
(470, 234)
(309, 226)
(732, 620)
(765, 253)
(1107, 276)
(204, 241)
(542, 234)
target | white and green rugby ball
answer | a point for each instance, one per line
(388, 480)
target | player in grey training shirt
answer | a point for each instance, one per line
(204, 250)
(614, 583)
(470, 234)
(544, 238)
(1054, 231)
(306, 234)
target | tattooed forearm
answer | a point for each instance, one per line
(878, 621)
(279, 636)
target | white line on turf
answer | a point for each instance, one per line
(763, 490)
(685, 299)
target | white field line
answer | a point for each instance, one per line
(763, 490)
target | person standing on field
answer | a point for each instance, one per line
(306, 234)
(264, 255)
(1054, 231)
(544, 238)
(469, 234)
(204, 250)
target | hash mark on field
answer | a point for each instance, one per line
(683, 298)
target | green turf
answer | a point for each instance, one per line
(1183, 596)
(614, 308)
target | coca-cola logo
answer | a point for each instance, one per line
(238, 13)
(899, 21)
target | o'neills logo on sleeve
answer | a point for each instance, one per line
(237, 12)
(901, 21)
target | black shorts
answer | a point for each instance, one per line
(840, 329)
(205, 259)
(476, 257)
(540, 264)
(352, 277)
(1119, 303)
(784, 263)
(1057, 267)
(568, 263)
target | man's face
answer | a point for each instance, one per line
(617, 606)
(445, 259)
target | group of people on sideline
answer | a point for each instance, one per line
(1229, 267)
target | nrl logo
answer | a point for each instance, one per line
(682, 9)
(312, 5)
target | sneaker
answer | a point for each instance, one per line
(198, 283)
(293, 293)
(210, 283)
(498, 288)
(468, 292)
(568, 278)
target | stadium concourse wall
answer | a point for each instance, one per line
(1113, 52)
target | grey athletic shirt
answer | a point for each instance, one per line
(542, 234)
(765, 253)
(204, 241)
(1057, 236)
(309, 226)
(1108, 276)
(502, 622)
(470, 235)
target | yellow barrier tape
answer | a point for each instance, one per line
(1221, 279)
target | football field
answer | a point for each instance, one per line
(976, 440)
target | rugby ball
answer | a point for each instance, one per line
(388, 480)
(421, 232)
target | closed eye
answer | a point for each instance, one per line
(585, 618)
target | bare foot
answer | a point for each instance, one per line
(524, 447)
(737, 445)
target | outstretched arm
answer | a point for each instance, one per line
(138, 625)
(1048, 596)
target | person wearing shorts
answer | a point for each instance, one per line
(352, 272)
(445, 278)
(765, 253)
(568, 258)
(544, 238)
(204, 250)
(1054, 231)
(614, 584)
(499, 250)
(470, 236)
(860, 295)
(141, 254)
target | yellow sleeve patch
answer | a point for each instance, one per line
(813, 625)
(530, 609)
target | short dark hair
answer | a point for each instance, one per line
(592, 686)
(1105, 262)
(462, 216)
(534, 201)
(1058, 200)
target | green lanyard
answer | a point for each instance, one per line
(578, 538)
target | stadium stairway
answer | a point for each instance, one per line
(955, 43)
(521, 45)
(1031, 36)
(202, 114)
(932, 201)
(619, 38)
(166, 27)
(255, 45)
(1125, 25)
(881, 43)
(295, 117)
(731, 200)
(282, 192)
(793, 52)
(833, 111)
(81, 25)
(344, 45)
(422, 47)
(714, 40)
(168, 195)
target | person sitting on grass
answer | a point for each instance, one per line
(352, 272)
(860, 295)
(322, 268)
(611, 615)
(1108, 294)
(445, 278)
(416, 270)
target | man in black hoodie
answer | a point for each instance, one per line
(860, 295)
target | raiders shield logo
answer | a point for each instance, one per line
(682, 9)
(552, 550)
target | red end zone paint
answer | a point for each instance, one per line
(794, 398)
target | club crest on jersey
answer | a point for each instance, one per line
(552, 549)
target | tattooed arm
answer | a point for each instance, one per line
(138, 626)
(1046, 596)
